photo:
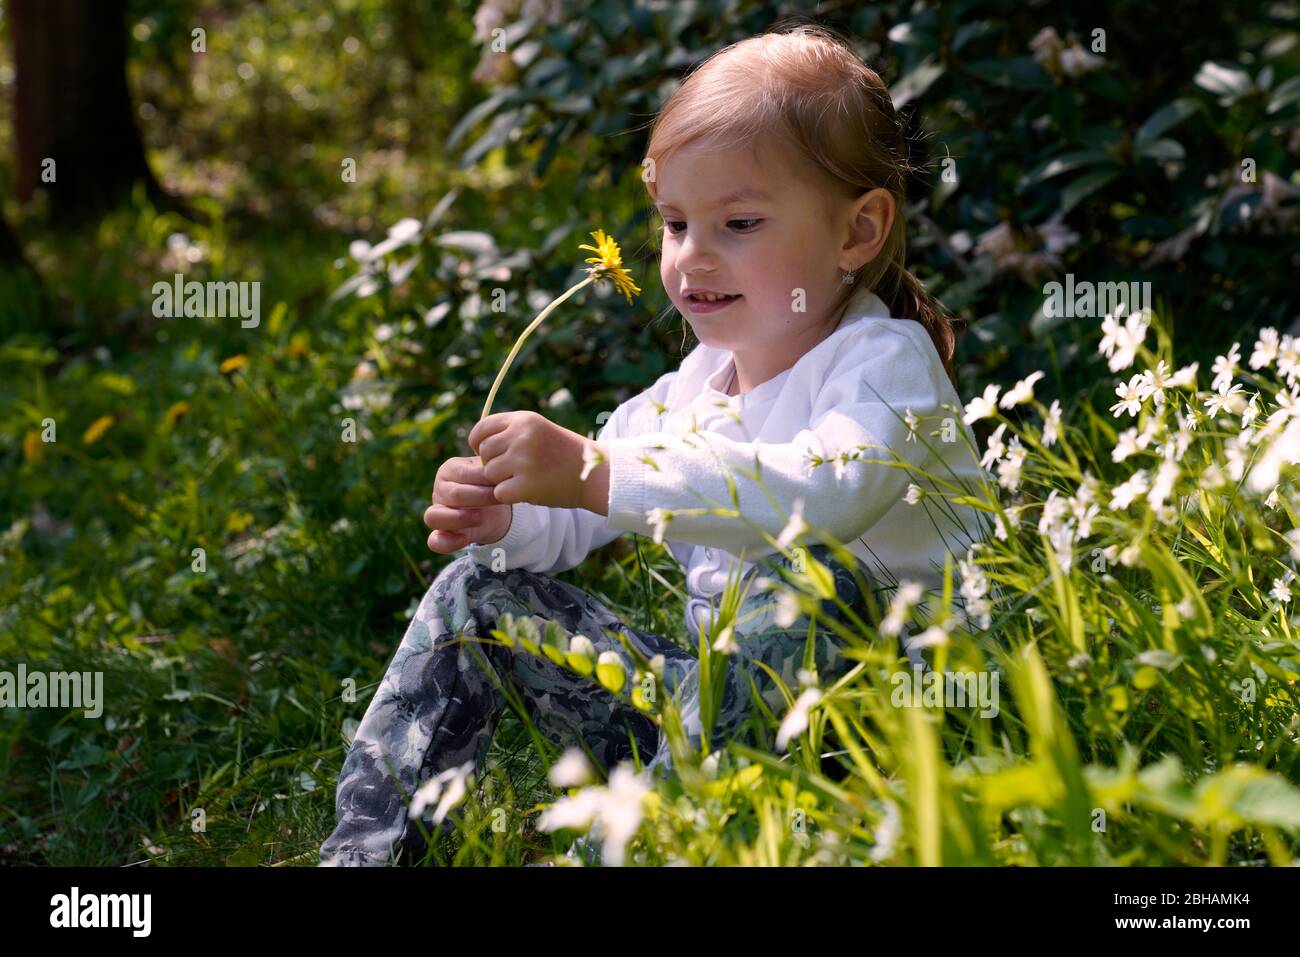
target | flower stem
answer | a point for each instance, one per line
(487, 406)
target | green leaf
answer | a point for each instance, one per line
(917, 81)
(1251, 793)
(1286, 94)
(1161, 150)
(1165, 118)
(1227, 80)
(1015, 73)
(1085, 186)
(475, 116)
(1159, 658)
(498, 132)
(972, 31)
(819, 577)
(1063, 163)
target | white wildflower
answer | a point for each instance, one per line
(900, 606)
(1163, 485)
(1251, 412)
(912, 422)
(591, 458)
(886, 833)
(795, 527)
(659, 519)
(572, 770)
(448, 788)
(725, 643)
(1054, 511)
(1293, 540)
(1129, 399)
(1285, 449)
(1075, 61)
(995, 447)
(1232, 400)
(983, 406)
(787, 608)
(1085, 515)
(1153, 383)
(1021, 392)
(1127, 444)
(1120, 343)
(1009, 468)
(1123, 495)
(1052, 424)
(932, 637)
(1224, 368)
(615, 812)
(1211, 478)
(1184, 377)
(1265, 348)
(1288, 358)
(795, 722)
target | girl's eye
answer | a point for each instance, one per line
(747, 225)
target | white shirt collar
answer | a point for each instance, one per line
(862, 304)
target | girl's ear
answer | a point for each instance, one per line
(871, 218)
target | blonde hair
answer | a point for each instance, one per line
(804, 88)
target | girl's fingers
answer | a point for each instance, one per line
(442, 518)
(460, 495)
(468, 471)
(442, 542)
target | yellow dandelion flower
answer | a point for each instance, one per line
(176, 410)
(238, 521)
(608, 263)
(95, 431)
(33, 447)
(298, 344)
(234, 362)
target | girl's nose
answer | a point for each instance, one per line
(694, 257)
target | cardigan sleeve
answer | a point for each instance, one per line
(862, 402)
(542, 538)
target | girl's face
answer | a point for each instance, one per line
(757, 231)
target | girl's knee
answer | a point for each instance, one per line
(462, 566)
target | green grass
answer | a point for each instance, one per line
(1128, 733)
(225, 687)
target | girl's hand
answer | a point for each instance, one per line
(531, 459)
(464, 509)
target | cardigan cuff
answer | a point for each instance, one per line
(516, 536)
(627, 481)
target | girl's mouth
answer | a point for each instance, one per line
(698, 304)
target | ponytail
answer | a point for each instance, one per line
(906, 297)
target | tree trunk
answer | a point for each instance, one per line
(74, 122)
(11, 253)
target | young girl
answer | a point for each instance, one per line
(778, 170)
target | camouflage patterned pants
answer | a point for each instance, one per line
(436, 707)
